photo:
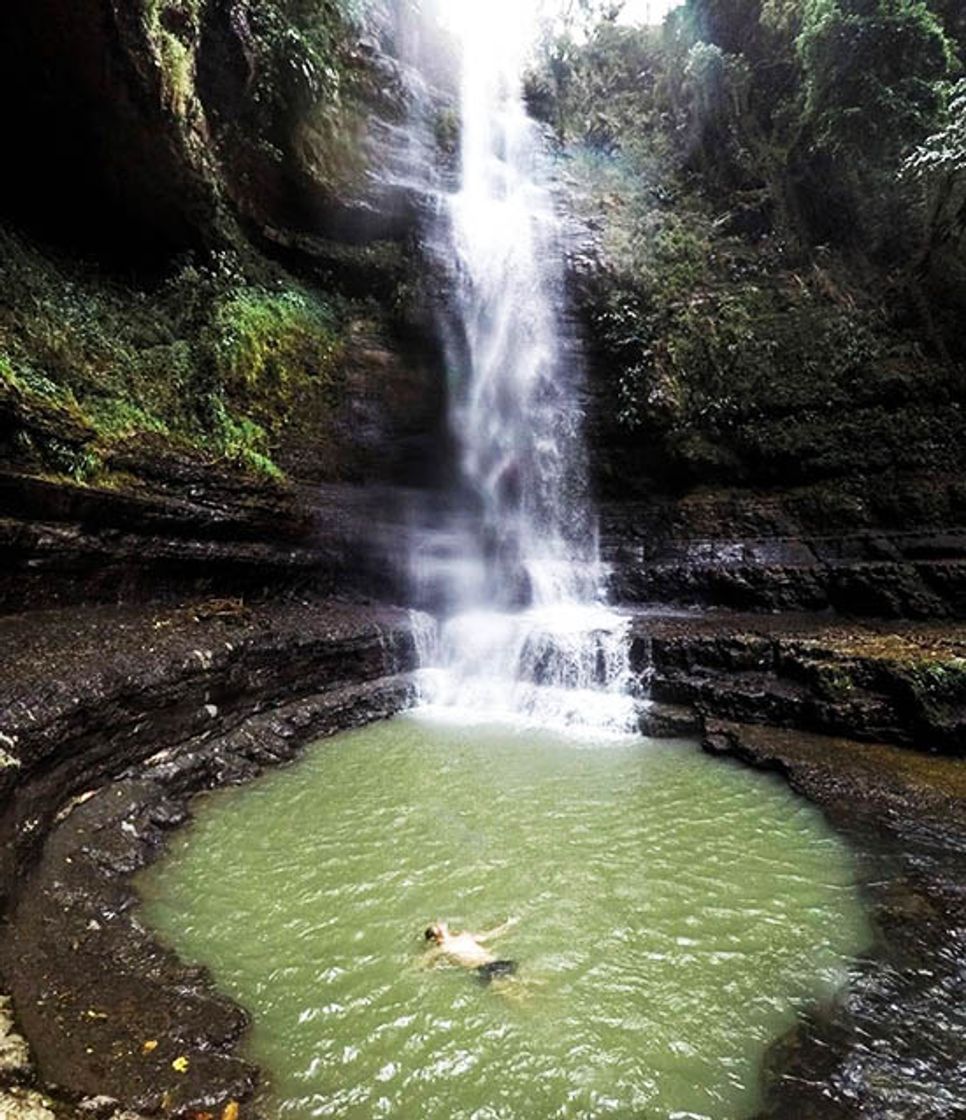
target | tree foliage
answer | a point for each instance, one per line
(819, 103)
(942, 156)
(939, 165)
(779, 193)
(871, 71)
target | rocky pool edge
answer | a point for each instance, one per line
(119, 1027)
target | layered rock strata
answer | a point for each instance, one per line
(112, 719)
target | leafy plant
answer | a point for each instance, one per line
(241, 440)
(939, 163)
(266, 345)
(870, 72)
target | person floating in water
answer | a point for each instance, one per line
(469, 950)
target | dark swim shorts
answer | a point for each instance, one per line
(495, 970)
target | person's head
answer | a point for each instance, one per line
(436, 932)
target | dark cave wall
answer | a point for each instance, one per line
(206, 273)
(98, 158)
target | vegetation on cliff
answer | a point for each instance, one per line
(779, 195)
(777, 190)
(215, 359)
(179, 285)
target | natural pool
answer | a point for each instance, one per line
(675, 914)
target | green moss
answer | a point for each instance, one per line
(186, 9)
(832, 682)
(178, 68)
(272, 348)
(115, 418)
(242, 441)
(935, 688)
(737, 361)
(266, 337)
(175, 49)
(681, 324)
(25, 380)
(222, 359)
(47, 426)
(939, 683)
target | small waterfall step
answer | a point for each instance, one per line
(564, 666)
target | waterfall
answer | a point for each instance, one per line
(527, 633)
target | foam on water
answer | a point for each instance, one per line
(561, 666)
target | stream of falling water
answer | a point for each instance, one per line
(528, 635)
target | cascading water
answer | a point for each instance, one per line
(528, 634)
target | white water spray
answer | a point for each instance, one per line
(530, 636)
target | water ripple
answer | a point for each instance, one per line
(675, 916)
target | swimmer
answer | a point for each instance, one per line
(469, 950)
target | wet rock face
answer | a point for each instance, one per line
(141, 126)
(196, 529)
(869, 681)
(99, 161)
(63, 543)
(89, 692)
(281, 167)
(233, 177)
(213, 693)
(389, 426)
(897, 554)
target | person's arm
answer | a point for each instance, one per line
(499, 931)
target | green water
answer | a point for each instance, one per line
(675, 913)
